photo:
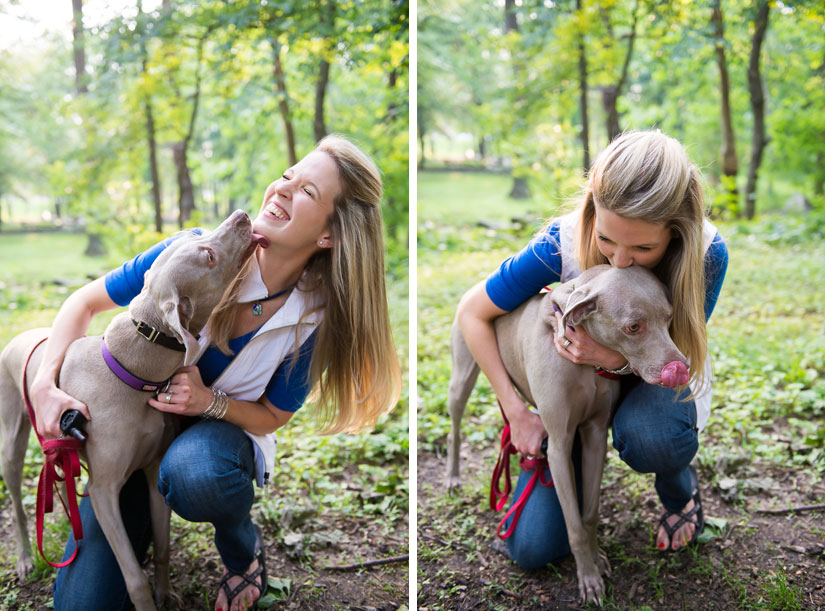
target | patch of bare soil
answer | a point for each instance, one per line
(755, 561)
(196, 570)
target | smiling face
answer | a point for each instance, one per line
(627, 242)
(296, 207)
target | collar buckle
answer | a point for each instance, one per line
(146, 331)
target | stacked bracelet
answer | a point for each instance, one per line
(217, 409)
(619, 372)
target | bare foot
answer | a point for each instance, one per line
(245, 598)
(681, 536)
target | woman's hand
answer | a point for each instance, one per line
(186, 396)
(49, 403)
(526, 430)
(583, 350)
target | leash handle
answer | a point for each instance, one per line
(56, 452)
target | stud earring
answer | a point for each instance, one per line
(320, 242)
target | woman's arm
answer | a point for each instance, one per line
(71, 323)
(191, 397)
(476, 313)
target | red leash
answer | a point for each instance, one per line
(498, 497)
(58, 453)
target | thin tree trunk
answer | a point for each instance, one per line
(611, 93)
(759, 140)
(520, 189)
(327, 18)
(283, 103)
(422, 160)
(180, 150)
(150, 134)
(79, 48)
(730, 162)
(585, 134)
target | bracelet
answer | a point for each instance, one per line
(217, 409)
(619, 372)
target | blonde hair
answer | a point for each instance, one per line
(354, 372)
(647, 176)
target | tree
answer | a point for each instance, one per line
(730, 162)
(612, 91)
(585, 133)
(79, 47)
(757, 96)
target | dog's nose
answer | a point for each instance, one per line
(239, 217)
(675, 374)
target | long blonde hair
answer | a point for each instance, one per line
(646, 175)
(354, 372)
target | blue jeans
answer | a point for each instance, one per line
(205, 476)
(653, 433)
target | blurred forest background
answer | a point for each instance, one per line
(535, 88)
(139, 114)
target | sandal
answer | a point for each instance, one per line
(684, 518)
(249, 579)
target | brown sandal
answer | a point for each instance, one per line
(249, 579)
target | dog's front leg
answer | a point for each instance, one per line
(105, 502)
(594, 448)
(559, 457)
(161, 514)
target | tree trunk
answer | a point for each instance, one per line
(611, 93)
(585, 134)
(283, 103)
(79, 48)
(150, 135)
(327, 19)
(759, 140)
(422, 159)
(186, 194)
(730, 162)
(520, 188)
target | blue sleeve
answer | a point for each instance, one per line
(527, 272)
(289, 386)
(716, 264)
(124, 283)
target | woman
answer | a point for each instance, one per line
(642, 205)
(277, 334)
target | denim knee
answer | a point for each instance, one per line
(533, 550)
(207, 473)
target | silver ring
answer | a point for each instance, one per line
(566, 343)
(169, 397)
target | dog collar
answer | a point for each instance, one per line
(125, 376)
(156, 337)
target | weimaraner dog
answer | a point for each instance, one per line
(624, 309)
(182, 287)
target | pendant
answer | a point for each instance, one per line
(257, 308)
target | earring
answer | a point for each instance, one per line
(320, 242)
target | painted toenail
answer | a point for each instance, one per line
(662, 545)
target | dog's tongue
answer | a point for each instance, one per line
(675, 374)
(257, 240)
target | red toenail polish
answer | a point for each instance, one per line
(662, 545)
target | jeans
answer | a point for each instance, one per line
(653, 433)
(205, 476)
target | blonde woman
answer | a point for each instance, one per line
(642, 205)
(308, 313)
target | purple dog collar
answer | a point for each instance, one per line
(127, 378)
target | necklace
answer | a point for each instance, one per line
(257, 308)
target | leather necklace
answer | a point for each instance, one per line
(257, 308)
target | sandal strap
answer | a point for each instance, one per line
(684, 518)
(249, 579)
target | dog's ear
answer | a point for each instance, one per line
(581, 304)
(177, 312)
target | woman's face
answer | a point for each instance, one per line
(627, 242)
(296, 207)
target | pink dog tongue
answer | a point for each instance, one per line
(257, 238)
(675, 374)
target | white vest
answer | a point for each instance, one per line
(247, 375)
(570, 269)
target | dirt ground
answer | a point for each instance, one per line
(759, 561)
(195, 568)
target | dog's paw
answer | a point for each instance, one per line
(452, 483)
(591, 586)
(24, 566)
(602, 562)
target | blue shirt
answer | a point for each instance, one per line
(289, 386)
(538, 264)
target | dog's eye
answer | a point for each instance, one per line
(209, 254)
(634, 328)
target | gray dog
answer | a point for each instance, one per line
(624, 309)
(182, 287)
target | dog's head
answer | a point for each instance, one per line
(189, 277)
(627, 310)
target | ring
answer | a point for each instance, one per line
(567, 342)
(169, 397)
